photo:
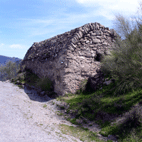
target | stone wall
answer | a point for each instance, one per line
(69, 58)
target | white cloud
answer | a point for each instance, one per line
(17, 46)
(108, 8)
(63, 20)
(38, 27)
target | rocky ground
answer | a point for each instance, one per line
(26, 117)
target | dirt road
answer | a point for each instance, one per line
(26, 117)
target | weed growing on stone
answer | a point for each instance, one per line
(82, 86)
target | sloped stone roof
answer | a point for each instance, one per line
(50, 48)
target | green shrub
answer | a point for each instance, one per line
(134, 117)
(45, 84)
(30, 78)
(125, 62)
(9, 70)
(132, 121)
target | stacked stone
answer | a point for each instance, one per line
(49, 48)
(92, 35)
(69, 58)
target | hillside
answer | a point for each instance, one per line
(4, 59)
(110, 109)
(98, 113)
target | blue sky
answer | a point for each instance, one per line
(24, 22)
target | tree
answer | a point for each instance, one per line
(125, 62)
(8, 71)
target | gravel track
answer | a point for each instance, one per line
(26, 117)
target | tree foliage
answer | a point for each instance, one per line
(125, 62)
(8, 71)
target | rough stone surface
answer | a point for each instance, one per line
(69, 58)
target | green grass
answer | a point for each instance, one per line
(59, 113)
(44, 106)
(103, 107)
(79, 132)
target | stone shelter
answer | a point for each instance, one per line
(69, 58)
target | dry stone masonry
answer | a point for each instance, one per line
(69, 58)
